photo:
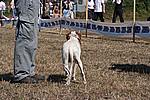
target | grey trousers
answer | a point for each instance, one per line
(25, 49)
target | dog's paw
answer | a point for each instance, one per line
(84, 82)
(73, 79)
(67, 83)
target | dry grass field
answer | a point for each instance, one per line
(115, 69)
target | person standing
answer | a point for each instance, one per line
(66, 12)
(118, 11)
(13, 11)
(2, 9)
(56, 12)
(90, 9)
(50, 8)
(12, 6)
(99, 9)
(26, 41)
(69, 4)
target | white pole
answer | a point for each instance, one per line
(86, 15)
(86, 10)
(134, 11)
(61, 8)
(60, 16)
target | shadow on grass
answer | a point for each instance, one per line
(56, 78)
(6, 77)
(139, 68)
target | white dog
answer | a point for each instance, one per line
(71, 52)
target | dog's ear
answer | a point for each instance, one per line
(67, 36)
(79, 35)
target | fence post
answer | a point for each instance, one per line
(86, 15)
(133, 27)
(60, 16)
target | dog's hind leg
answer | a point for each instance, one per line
(65, 63)
(66, 69)
(79, 62)
(74, 71)
(71, 68)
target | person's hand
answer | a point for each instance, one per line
(103, 11)
(103, 7)
(94, 6)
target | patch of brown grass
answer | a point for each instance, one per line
(115, 70)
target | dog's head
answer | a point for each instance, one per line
(73, 34)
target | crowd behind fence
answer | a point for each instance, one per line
(141, 29)
(142, 9)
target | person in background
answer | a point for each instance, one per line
(148, 19)
(55, 3)
(69, 5)
(118, 11)
(46, 14)
(56, 7)
(41, 9)
(2, 9)
(26, 41)
(90, 9)
(56, 12)
(99, 10)
(66, 12)
(12, 6)
(50, 8)
(47, 9)
(13, 10)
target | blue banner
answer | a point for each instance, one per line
(92, 26)
(141, 28)
(50, 23)
(6, 21)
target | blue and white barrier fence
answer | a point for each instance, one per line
(141, 28)
(6, 21)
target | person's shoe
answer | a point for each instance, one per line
(26, 80)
